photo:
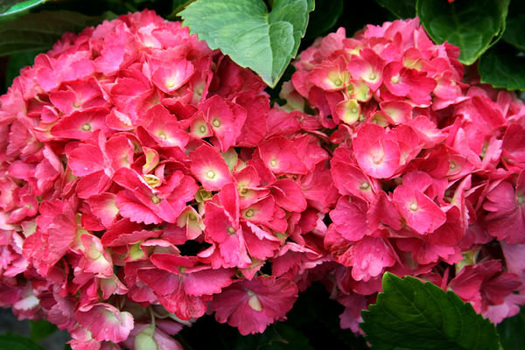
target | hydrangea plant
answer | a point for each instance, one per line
(150, 178)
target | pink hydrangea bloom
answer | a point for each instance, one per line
(124, 146)
(428, 165)
(253, 305)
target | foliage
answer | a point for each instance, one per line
(511, 332)
(15, 7)
(41, 329)
(17, 342)
(252, 36)
(37, 32)
(473, 28)
(410, 314)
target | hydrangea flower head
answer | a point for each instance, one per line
(140, 167)
(428, 165)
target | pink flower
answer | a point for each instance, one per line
(404, 82)
(182, 287)
(209, 168)
(352, 210)
(142, 203)
(368, 256)
(224, 119)
(164, 128)
(56, 232)
(105, 322)
(252, 305)
(349, 178)
(146, 335)
(513, 151)
(376, 155)
(485, 284)
(419, 211)
(506, 217)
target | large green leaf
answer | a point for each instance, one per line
(41, 329)
(252, 36)
(512, 333)
(325, 16)
(410, 314)
(502, 69)
(473, 26)
(400, 8)
(11, 7)
(10, 341)
(177, 6)
(39, 31)
(514, 34)
(16, 62)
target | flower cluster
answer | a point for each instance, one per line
(429, 166)
(146, 180)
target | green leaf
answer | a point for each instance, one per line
(511, 332)
(474, 27)
(39, 31)
(16, 62)
(41, 329)
(325, 16)
(410, 314)
(400, 8)
(11, 7)
(503, 69)
(253, 37)
(514, 32)
(177, 6)
(16, 342)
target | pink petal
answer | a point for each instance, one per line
(421, 213)
(288, 195)
(209, 168)
(253, 305)
(105, 322)
(80, 125)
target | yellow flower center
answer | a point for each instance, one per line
(364, 186)
(155, 199)
(210, 174)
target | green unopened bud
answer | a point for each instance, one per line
(144, 340)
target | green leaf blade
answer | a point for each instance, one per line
(473, 28)
(41, 329)
(253, 37)
(514, 32)
(39, 31)
(410, 314)
(511, 332)
(13, 7)
(503, 70)
(17, 342)
(325, 16)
